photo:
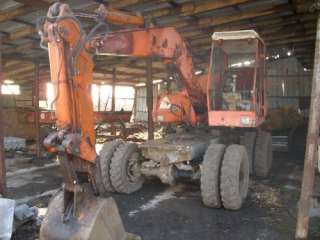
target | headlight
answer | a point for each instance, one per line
(245, 120)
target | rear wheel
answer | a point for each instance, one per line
(234, 180)
(106, 155)
(297, 141)
(210, 175)
(263, 154)
(124, 169)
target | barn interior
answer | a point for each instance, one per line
(124, 93)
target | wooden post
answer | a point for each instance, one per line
(99, 99)
(37, 110)
(113, 99)
(3, 182)
(150, 99)
(311, 147)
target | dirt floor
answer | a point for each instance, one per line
(173, 213)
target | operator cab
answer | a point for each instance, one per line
(236, 86)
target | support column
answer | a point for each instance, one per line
(99, 99)
(3, 182)
(150, 99)
(36, 109)
(113, 99)
(311, 147)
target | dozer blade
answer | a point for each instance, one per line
(96, 218)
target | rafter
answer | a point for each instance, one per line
(192, 8)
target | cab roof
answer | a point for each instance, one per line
(234, 35)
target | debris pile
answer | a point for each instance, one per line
(14, 143)
(265, 196)
(15, 217)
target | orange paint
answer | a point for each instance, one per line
(73, 103)
(169, 45)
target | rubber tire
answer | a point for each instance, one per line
(297, 140)
(249, 140)
(263, 154)
(106, 154)
(118, 169)
(233, 187)
(210, 175)
(98, 178)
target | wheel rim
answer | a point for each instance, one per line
(133, 170)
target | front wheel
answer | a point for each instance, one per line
(234, 179)
(106, 154)
(125, 172)
(210, 174)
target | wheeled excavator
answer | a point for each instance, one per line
(229, 100)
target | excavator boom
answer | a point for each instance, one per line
(165, 43)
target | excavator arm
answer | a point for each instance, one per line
(71, 73)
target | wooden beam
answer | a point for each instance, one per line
(269, 25)
(285, 27)
(36, 3)
(192, 8)
(27, 59)
(275, 28)
(292, 40)
(287, 35)
(149, 99)
(126, 3)
(36, 108)
(25, 31)
(3, 182)
(5, 16)
(14, 70)
(211, 21)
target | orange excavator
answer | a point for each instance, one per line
(229, 101)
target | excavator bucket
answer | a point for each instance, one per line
(97, 218)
